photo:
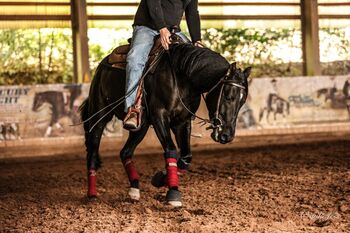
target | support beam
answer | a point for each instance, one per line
(310, 38)
(80, 41)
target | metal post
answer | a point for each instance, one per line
(80, 41)
(310, 38)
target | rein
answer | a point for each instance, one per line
(216, 122)
(119, 101)
(204, 120)
(212, 122)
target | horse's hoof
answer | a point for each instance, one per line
(92, 197)
(159, 179)
(134, 194)
(173, 198)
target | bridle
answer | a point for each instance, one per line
(213, 121)
(216, 122)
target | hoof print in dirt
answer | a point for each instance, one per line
(322, 222)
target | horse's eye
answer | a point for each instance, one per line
(229, 98)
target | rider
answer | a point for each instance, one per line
(155, 17)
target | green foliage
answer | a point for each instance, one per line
(96, 54)
(264, 49)
(34, 56)
(278, 52)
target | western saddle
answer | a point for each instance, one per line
(117, 58)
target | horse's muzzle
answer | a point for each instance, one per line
(222, 137)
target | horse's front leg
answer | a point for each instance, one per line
(182, 134)
(49, 129)
(183, 139)
(161, 124)
(126, 157)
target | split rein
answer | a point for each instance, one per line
(215, 122)
(119, 101)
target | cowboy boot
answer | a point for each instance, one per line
(132, 120)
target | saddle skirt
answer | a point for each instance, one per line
(117, 58)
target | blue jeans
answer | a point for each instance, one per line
(141, 45)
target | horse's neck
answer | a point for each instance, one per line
(52, 99)
(211, 84)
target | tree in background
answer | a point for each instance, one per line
(38, 56)
(35, 56)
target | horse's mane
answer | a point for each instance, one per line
(201, 66)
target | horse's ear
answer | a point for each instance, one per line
(247, 71)
(233, 66)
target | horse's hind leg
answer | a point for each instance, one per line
(92, 143)
(126, 157)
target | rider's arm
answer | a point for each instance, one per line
(156, 13)
(193, 20)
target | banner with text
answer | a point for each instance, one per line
(41, 111)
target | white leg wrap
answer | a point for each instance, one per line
(134, 194)
(48, 131)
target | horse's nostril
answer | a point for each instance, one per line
(225, 137)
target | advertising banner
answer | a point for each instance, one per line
(42, 111)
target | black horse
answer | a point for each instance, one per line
(333, 96)
(346, 93)
(56, 101)
(276, 105)
(57, 104)
(172, 92)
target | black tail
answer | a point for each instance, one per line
(85, 114)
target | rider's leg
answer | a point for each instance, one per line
(141, 45)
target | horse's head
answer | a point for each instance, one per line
(38, 101)
(224, 101)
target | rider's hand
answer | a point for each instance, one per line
(199, 43)
(165, 37)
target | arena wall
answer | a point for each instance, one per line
(279, 106)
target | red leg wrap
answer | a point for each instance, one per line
(131, 170)
(92, 183)
(172, 177)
